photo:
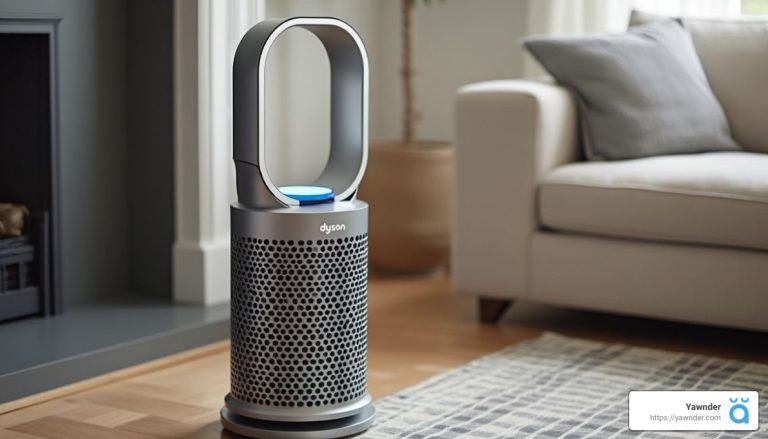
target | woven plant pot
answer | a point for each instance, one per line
(409, 189)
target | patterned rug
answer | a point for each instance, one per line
(558, 387)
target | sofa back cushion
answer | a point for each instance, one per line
(640, 93)
(734, 54)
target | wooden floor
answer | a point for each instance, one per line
(417, 328)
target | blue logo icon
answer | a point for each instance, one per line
(739, 409)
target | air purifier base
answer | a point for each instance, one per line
(334, 428)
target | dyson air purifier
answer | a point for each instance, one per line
(300, 258)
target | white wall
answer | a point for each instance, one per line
(455, 42)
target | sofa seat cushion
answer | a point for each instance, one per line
(716, 198)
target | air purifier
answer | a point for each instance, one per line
(300, 257)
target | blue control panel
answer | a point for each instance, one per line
(308, 194)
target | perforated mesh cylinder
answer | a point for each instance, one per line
(299, 312)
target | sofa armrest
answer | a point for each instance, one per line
(509, 134)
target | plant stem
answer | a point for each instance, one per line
(409, 114)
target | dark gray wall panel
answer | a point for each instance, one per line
(150, 146)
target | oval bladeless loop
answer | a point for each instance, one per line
(349, 109)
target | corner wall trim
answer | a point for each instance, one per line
(206, 34)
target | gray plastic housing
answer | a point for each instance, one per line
(349, 110)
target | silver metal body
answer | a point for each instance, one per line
(299, 320)
(300, 272)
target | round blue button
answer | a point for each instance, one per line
(308, 193)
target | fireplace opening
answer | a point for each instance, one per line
(28, 200)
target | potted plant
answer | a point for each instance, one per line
(409, 184)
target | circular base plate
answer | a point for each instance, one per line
(334, 428)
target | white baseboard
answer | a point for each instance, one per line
(201, 272)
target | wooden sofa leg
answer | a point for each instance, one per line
(491, 309)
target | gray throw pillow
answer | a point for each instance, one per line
(641, 93)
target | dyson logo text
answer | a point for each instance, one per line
(327, 229)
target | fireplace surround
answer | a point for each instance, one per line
(110, 160)
(29, 265)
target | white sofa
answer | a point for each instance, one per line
(679, 237)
